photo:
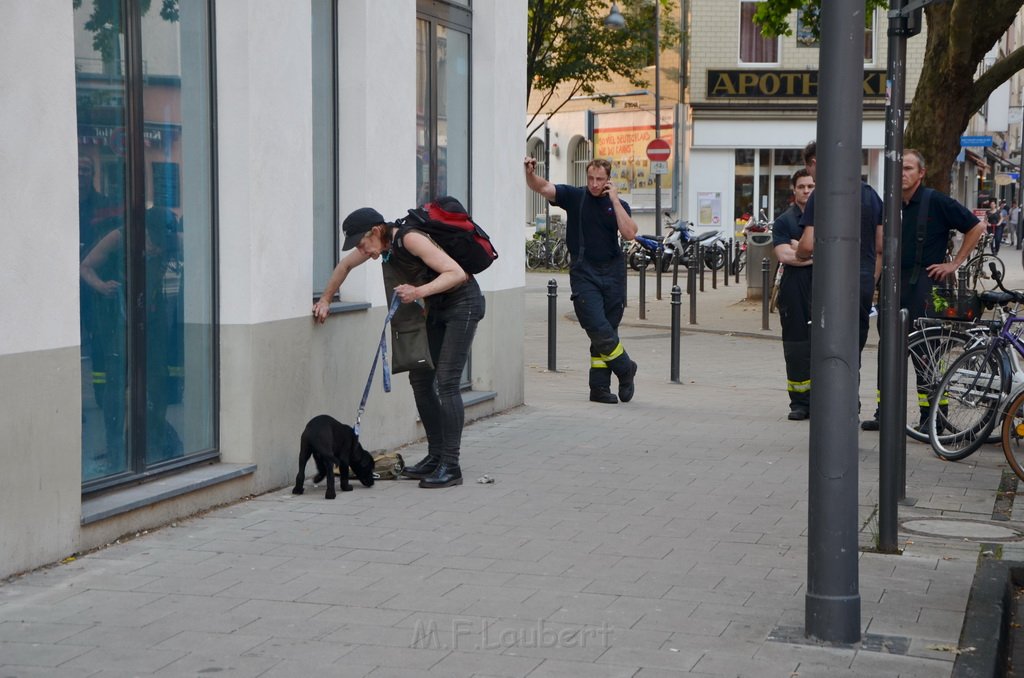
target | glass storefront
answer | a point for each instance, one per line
(145, 237)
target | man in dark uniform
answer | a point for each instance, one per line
(923, 246)
(871, 216)
(795, 298)
(597, 273)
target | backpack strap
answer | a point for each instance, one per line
(382, 355)
(922, 228)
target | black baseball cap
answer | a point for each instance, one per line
(357, 224)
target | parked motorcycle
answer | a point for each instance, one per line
(679, 242)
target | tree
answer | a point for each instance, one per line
(950, 89)
(569, 50)
(105, 22)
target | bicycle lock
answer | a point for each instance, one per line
(765, 293)
(552, 319)
(677, 303)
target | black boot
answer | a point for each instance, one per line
(625, 370)
(423, 468)
(601, 385)
(445, 475)
(603, 395)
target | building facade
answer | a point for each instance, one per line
(158, 353)
(739, 108)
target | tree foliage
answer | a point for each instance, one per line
(569, 50)
(105, 21)
(952, 86)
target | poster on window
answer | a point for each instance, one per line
(622, 139)
(709, 209)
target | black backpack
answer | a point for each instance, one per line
(448, 224)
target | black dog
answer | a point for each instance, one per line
(330, 442)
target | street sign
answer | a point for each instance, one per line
(658, 150)
(659, 167)
(983, 142)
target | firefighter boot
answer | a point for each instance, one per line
(601, 382)
(625, 370)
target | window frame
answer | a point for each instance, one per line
(739, 41)
(320, 237)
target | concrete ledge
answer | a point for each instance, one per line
(175, 485)
(477, 397)
(987, 620)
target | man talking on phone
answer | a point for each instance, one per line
(597, 273)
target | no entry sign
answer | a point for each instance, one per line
(658, 150)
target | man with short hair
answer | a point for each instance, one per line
(795, 298)
(597, 273)
(928, 217)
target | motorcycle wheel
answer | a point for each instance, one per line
(714, 258)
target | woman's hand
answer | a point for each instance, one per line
(407, 293)
(321, 309)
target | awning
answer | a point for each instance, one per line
(976, 159)
(1000, 160)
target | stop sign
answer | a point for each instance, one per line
(658, 150)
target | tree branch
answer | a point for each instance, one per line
(1000, 72)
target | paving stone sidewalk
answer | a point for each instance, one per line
(663, 537)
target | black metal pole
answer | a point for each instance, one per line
(736, 258)
(765, 292)
(714, 278)
(552, 323)
(892, 362)
(691, 288)
(625, 282)
(700, 264)
(677, 303)
(675, 268)
(728, 263)
(643, 286)
(659, 260)
(832, 601)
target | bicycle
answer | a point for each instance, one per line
(972, 394)
(543, 251)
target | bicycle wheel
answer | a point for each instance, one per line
(560, 255)
(980, 267)
(1013, 435)
(930, 352)
(739, 262)
(536, 255)
(968, 398)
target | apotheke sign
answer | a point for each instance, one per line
(736, 84)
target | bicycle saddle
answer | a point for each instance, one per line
(993, 298)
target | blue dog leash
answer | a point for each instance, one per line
(382, 355)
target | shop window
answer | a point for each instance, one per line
(325, 141)
(146, 237)
(754, 47)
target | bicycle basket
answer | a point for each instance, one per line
(953, 304)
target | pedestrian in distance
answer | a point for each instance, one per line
(994, 217)
(454, 307)
(928, 217)
(1015, 223)
(795, 298)
(597, 274)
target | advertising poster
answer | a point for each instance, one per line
(709, 209)
(622, 138)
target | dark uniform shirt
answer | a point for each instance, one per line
(944, 214)
(597, 217)
(787, 227)
(871, 215)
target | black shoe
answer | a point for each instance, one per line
(445, 475)
(869, 425)
(422, 469)
(798, 415)
(602, 395)
(627, 386)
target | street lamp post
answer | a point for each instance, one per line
(617, 21)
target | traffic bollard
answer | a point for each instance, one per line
(657, 274)
(552, 320)
(700, 265)
(691, 287)
(728, 264)
(736, 259)
(677, 303)
(714, 278)
(643, 287)
(675, 268)
(765, 293)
